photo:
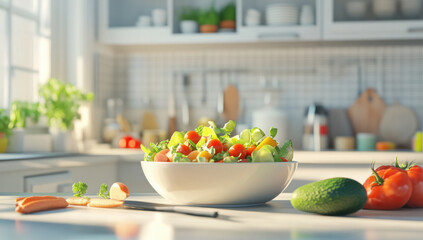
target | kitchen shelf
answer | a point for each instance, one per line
(338, 26)
(331, 24)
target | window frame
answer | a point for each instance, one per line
(10, 11)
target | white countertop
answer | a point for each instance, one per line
(274, 220)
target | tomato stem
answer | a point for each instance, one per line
(379, 179)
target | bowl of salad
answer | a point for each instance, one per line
(208, 166)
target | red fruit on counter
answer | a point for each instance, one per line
(388, 189)
(124, 141)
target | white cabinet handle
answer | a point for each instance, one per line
(287, 35)
(415, 30)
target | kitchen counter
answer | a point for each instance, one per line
(274, 220)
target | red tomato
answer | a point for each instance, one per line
(218, 146)
(390, 189)
(220, 161)
(225, 148)
(251, 149)
(161, 156)
(238, 150)
(134, 143)
(284, 159)
(184, 149)
(124, 142)
(193, 136)
(415, 173)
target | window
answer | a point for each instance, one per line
(24, 49)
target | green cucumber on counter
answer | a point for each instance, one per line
(334, 196)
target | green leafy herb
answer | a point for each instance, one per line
(192, 144)
(61, 103)
(103, 193)
(273, 132)
(189, 14)
(4, 123)
(228, 12)
(20, 111)
(208, 17)
(199, 130)
(79, 189)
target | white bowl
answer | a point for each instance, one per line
(224, 184)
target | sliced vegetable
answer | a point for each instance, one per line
(238, 150)
(184, 149)
(267, 141)
(193, 136)
(216, 144)
(177, 138)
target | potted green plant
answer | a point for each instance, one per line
(228, 16)
(61, 103)
(208, 20)
(19, 111)
(188, 20)
(4, 130)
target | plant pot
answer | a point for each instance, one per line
(227, 24)
(16, 140)
(188, 26)
(63, 141)
(208, 28)
(37, 143)
(3, 142)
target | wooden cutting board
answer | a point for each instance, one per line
(398, 125)
(231, 107)
(366, 112)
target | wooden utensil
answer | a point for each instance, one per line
(231, 107)
(398, 125)
(366, 112)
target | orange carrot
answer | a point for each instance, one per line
(80, 201)
(42, 205)
(104, 203)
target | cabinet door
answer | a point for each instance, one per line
(372, 19)
(119, 22)
(50, 182)
(274, 26)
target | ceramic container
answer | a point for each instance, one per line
(189, 26)
(225, 184)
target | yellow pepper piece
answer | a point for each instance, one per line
(267, 141)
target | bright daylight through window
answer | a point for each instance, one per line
(24, 49)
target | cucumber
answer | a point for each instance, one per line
(334, 196)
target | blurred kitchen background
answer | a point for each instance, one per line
(147, 61)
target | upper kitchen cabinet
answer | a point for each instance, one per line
(283, 20)
(133, 21)
(373, 19)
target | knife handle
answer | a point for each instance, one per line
(196, 212)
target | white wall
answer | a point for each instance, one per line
(302, 73)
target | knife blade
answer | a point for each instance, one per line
(139, 205)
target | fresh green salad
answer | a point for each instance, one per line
(215, 145)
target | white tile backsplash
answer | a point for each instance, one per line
(299, 75)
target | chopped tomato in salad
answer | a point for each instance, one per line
(215, 145)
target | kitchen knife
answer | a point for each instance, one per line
(139, 205)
